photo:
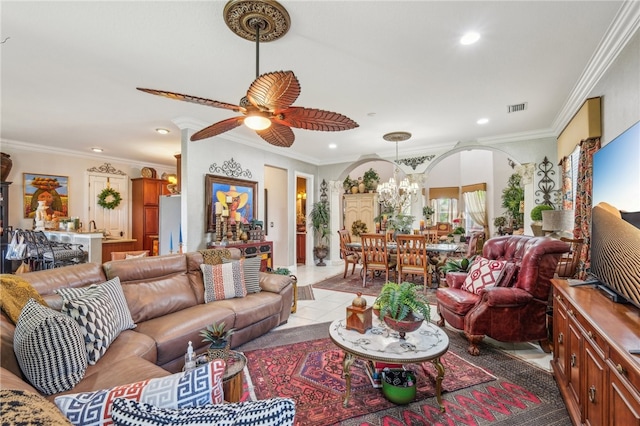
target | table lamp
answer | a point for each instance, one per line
(559, 222)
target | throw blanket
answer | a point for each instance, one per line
(15, 292)
(214, 256)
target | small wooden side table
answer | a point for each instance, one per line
(232, 378)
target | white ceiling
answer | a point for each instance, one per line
(70, 69)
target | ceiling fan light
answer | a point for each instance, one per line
(257, 122)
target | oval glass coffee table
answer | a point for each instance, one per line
(380, 343)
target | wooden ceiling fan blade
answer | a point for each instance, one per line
(277, 135)
(314, 119)
(274, 91)
(217, 128)
(193, 99)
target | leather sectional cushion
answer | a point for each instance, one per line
(172, 331)
(251, 309)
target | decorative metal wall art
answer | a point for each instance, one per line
(416, 161)
(107, 168)
(324, 187)
(546, 184)
(230, 168)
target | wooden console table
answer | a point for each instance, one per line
(264, 249)
(598, 378)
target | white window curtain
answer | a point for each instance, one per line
(476, 207)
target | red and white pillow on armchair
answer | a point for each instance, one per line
(483, 273)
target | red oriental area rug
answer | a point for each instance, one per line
(353, 284)
(493, 388)
(311, 373)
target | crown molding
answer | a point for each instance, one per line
(624, 26)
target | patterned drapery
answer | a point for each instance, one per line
(476, 203)
(566, 167)
(583, 201)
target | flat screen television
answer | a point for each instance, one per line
(615, 236)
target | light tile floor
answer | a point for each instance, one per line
(330, 305)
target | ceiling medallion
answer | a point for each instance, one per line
(396, 136)
(242, 16)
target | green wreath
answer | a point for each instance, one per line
(115, 198)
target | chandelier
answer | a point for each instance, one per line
(391, 194)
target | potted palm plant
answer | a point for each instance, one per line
(319, 218)
(218, 337)
(402, 307)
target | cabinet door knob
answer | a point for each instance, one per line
(573, 360)
(560, 337)
(592, 394)
(590, 335)
(621, 370)
(570, 312)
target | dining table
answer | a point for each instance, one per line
(433, 251)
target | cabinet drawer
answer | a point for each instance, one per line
(625, 370)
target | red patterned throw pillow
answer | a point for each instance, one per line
(482, 274)
(224, 281)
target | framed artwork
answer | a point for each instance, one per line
(238, 196)
(53, 190)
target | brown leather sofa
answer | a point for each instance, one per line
(165, 295)
(515, 311)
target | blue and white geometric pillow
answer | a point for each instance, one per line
(193, 388)
(268, 412)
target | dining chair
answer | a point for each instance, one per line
(376, 257)
(412, 257)
(431, 235)
(568, 263)
(349, 255)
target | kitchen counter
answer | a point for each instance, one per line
(97, 246)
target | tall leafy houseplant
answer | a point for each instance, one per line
(512, 195)
(319, 218)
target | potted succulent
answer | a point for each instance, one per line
(536, 217)
(218, 337)
(371, 179)
(319, 218)
(402, 307)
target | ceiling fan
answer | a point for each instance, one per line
(267, 106)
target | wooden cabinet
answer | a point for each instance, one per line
(598, 378)
(301, 240)
(362, 207)
(145, 200)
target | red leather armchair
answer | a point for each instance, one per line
(512, 311)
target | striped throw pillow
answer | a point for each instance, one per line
(251, 267)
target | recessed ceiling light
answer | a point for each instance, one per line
(162, 131)
(470, 38)
(333, 146)
(96, 149)
(483, 121)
